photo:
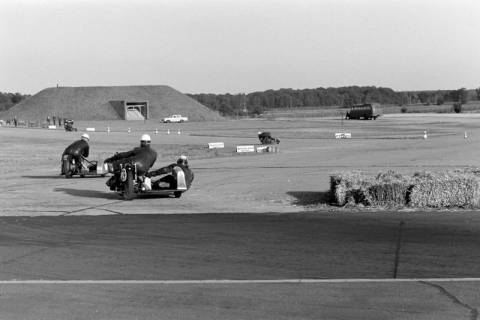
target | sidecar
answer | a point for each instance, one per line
(129, 185)
(172, 184)
(88, 168)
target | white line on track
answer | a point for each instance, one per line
(226, 281)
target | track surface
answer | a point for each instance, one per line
(131, 250)
(240, 246)
(262, 220)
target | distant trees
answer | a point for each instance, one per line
(257, 102)
(8, 100)
(440, 101)
(457, 107)
(460, 95)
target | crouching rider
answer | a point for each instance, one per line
(169, 181)
(143, 157)
(79, 150)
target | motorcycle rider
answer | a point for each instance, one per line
(143, 157)
(78, 150)
(182, 163)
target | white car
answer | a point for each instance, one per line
(175, 118)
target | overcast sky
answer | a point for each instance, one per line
(240, 45)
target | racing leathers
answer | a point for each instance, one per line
(78, 150)
(143, 157)
(169, 178)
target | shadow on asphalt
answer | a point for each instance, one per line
(45, 177)
(104, 195)
(307, 198)
(61, 177)
(89, 193)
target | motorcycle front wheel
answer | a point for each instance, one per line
(67, 168)
(129, 191)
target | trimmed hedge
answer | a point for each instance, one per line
(457, 188)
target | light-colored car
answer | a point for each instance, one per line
(175, 118)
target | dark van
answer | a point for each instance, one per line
(365, 111)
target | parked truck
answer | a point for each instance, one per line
(365, 111)
(175, 118)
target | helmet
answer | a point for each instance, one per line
(146, 138)
(85, 137)
(182, 159)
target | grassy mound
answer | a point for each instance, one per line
(451, 189)
(93, 103)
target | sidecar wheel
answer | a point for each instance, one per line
(177, 194)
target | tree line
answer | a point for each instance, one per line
(8, 100)
(258, 102)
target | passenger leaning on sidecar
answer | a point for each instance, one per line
(78, 150)
(169, 182)
(143, 157)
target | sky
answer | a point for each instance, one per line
(234, 46)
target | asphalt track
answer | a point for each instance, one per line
(281, 266)
(270, 247)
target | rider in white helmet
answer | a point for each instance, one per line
(143, 157)
(145, 140)
(78, 150)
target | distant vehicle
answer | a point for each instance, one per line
(175, 118)
(365, 111)
(266, 138)
(68, 125)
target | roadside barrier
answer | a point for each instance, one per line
(241, 149)
(267, 148)
(343, 135)
(216, 145)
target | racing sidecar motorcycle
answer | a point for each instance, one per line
(71, 168)
(68, 125)
(128, 184)
(266, 138)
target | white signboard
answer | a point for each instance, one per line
(90, 129)
(343, 135)
(245, 148)
(271, 148)
(216, 145)
(52, 127)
